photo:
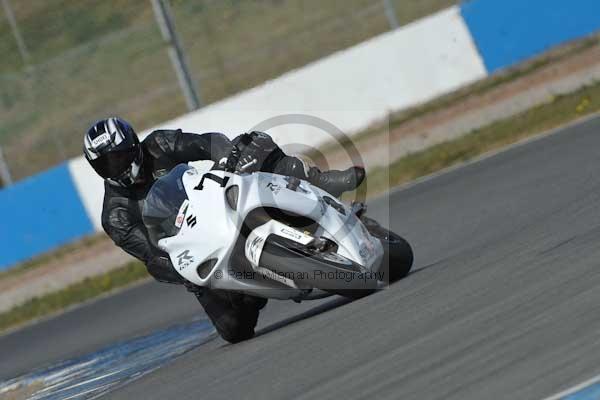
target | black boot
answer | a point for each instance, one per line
(337, 182)
(334, 182)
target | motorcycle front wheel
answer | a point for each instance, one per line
(398, 256)
(327, 271)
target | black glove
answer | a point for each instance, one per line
(229, 163)
(162, 270)
(255, 148)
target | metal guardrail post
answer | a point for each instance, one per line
(167, 28)
(390, 13)
(4, 171)
(12, 21)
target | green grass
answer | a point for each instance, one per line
(74, 294)
(485, 85)
(398, 118)
(94, 58)
(560, 110)
(52, 256)
(52, 27)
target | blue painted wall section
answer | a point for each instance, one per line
(509, 31)
(39, 214)
(591, 392)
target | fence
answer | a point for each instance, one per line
(88, 59)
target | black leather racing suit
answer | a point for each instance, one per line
(162, 151)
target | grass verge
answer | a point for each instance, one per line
(560, 110)
(227, 45)
(73, 294)
(52, 256)
(480, 87)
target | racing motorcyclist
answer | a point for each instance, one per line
(130, 167)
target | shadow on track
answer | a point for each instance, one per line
(423, 269)
(330, 305)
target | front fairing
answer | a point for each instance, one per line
(208, 232)
(335, 219)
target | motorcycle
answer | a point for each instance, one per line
(270, 236)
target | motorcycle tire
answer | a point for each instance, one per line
(398, 256)
(326, 271)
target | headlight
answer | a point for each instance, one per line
(232, 196)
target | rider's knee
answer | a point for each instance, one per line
(233, 319)
(233, 328)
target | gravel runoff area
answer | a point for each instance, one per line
(504, 100)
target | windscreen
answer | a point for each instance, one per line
(163, 203)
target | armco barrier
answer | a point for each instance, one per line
(39, 214)
(509, 31)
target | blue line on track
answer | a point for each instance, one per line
(95, 374)
(591, 392)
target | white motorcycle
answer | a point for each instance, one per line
(270, 236)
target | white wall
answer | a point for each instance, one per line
(90, 187)
(357, 86)
(351, 89)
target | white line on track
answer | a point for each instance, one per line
(575, 389)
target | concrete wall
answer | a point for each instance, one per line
(40, 213)
(354, 87)
(350, 89)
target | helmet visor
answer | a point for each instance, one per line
(114, 163)
(127, 178)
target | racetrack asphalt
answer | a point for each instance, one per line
(503, 302)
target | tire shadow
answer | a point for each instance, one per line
(330, 305)
(424, 268)
(322, 308)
